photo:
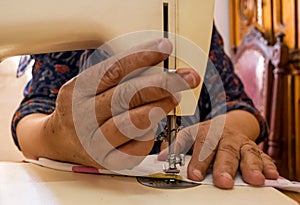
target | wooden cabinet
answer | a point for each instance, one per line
(285, 21)
(269, 16)
(279, 21)
(246, 14)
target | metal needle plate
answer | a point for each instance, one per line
(165, 183)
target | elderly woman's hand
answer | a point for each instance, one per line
(228, 149)
(110, 112)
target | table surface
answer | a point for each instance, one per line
(24, 183)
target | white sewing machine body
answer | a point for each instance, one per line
(36, 27)
(48, 26)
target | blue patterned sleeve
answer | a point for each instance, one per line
(213, 100)
(50, 71)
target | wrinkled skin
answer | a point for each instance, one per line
(227, 150)
(103, 120)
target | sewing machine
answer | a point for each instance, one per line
(119, 24)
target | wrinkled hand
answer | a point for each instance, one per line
(115, 113)
(227, 150)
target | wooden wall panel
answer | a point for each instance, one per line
(285, 20)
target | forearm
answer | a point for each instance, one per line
(30, 135)
(39, 137)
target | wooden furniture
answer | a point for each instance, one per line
(285, 123)
(253, 64)
(269, 16)
(278, 22)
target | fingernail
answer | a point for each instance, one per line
(188, 76)
(226, 175)
(177, 97)
(165, 46)
(197, 174)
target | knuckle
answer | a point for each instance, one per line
(251, 157)
(161, 81)
(252, 163)
(266, 157)
(123, 94)
(150, 94)
(228, 165)
(250, 150)
(66, 91)
(268, 161)
(230, 149)
(113, 75)
(247, 148)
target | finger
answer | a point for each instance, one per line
(125, 127)
(205, 147)
(129, 154)
(160, 85)
(251, 165)
(143, 90)
(140, 146)
(269, 170)
(226, 163)
(136, 122)
(110, 72)
(197, 168)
